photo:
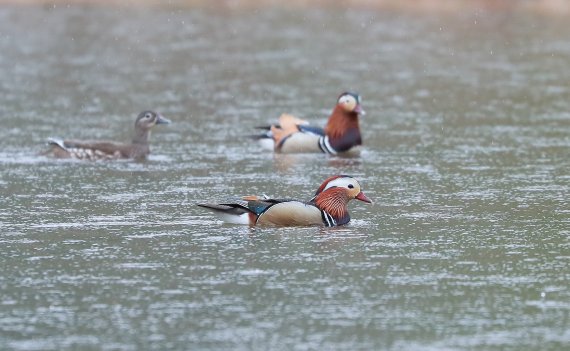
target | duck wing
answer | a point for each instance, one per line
(262, 210)
(291, 213)
(89, 149)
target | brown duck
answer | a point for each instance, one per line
(137, 149)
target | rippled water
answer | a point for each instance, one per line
(467, 157)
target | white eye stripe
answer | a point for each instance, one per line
(342, 183)
(347, 99)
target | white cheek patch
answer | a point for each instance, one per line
(348, 101)
(342, 183)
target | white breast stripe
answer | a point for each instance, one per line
(328, 219)
(329, 147)
(325, 146)
(325, 219)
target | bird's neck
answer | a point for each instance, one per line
(334, 201)
(141, 136)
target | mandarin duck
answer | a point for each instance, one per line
(137, 149)
(329, 206)
(294, 135)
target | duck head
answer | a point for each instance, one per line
(342, 184)
(351, 103)
(144, 123)
(335, 193)
(148, 119)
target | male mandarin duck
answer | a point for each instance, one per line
(329, 206)
(341, 133)
(137, 149)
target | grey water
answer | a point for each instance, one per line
(466, 155)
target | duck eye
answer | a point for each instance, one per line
(350, 186)
(148, 115)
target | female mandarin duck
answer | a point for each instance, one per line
(138, 149)
(329, 207)
(342, 132)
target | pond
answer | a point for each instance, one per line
(466, 156)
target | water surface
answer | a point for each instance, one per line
(466, 155)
